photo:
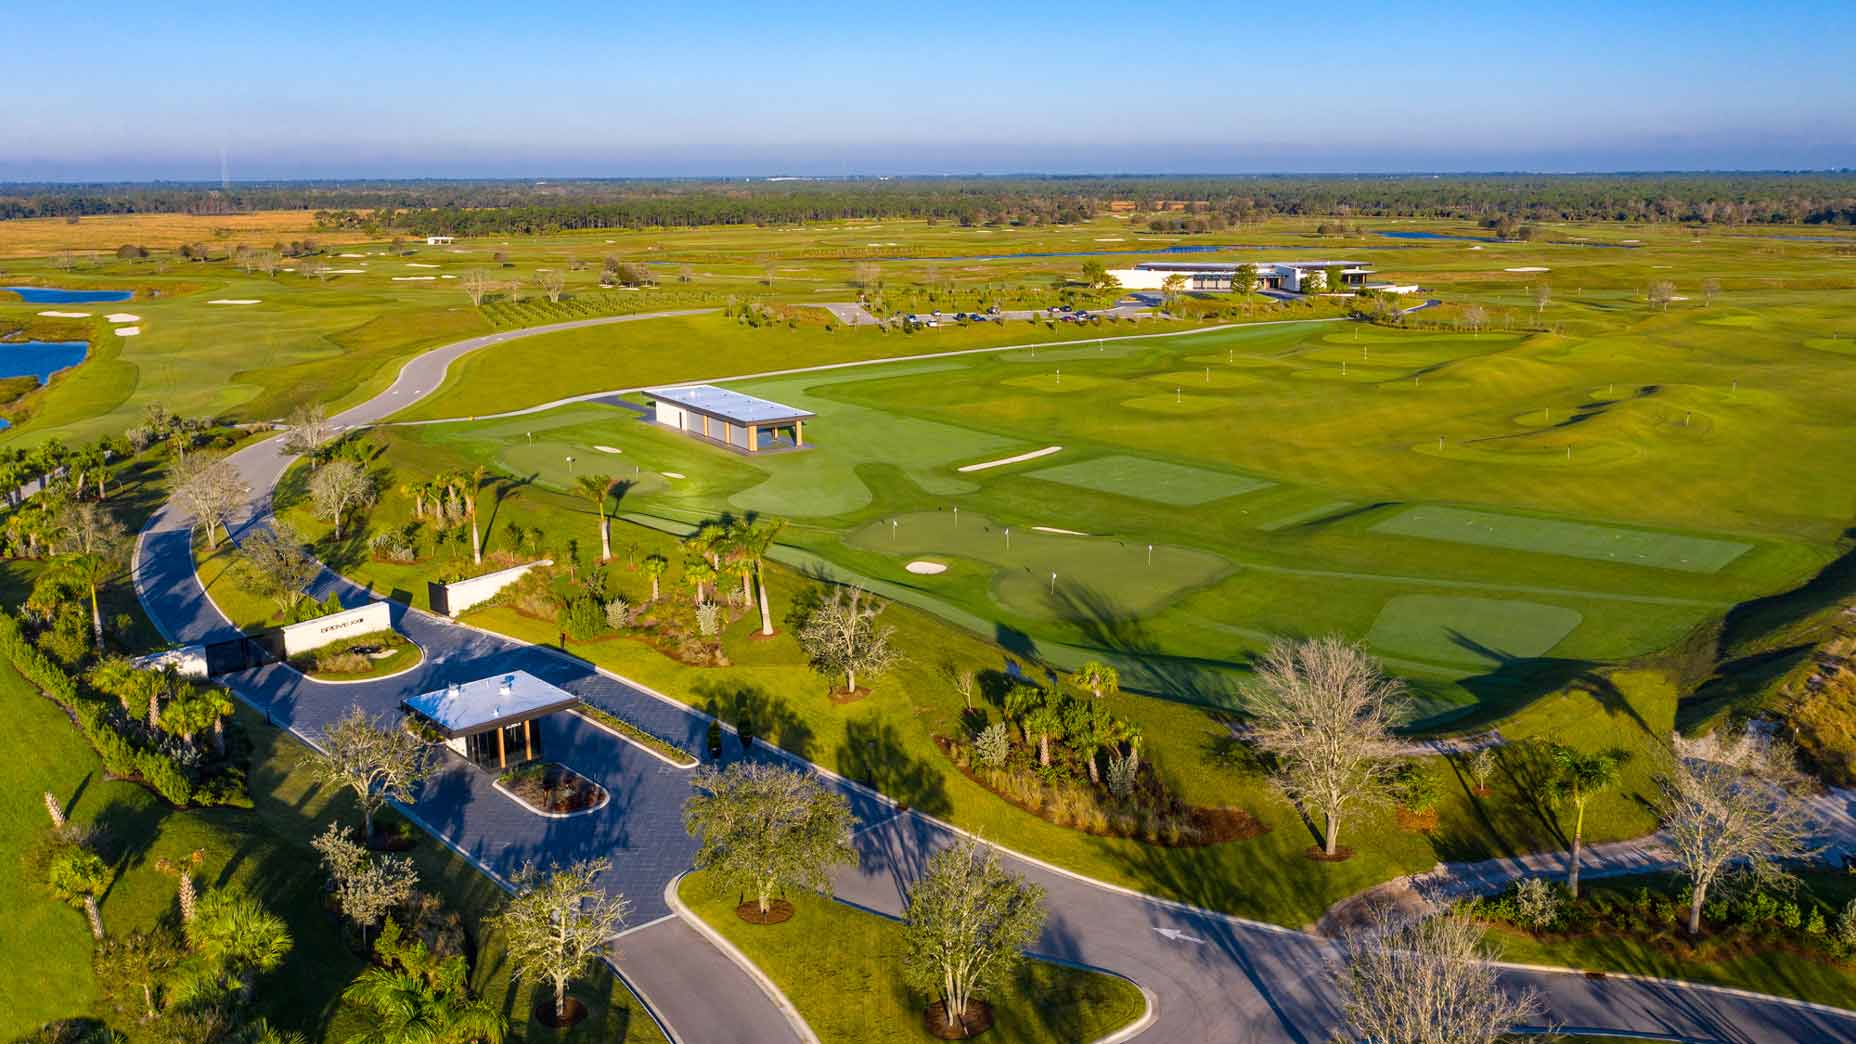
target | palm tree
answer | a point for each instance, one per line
(89, 571)
(1099, 678)
(1129, 733)
(1578, 777)
(1020, 700)
(138, 960)
(752, 539)
(1090, 727)
(1044, 720)
(417, 491)
(195, 709)
(418, 997)
(698, 575)
(475, 482)
(654, 567)
(88, 462)
(77, 877)
(598, 489)
(236, 938)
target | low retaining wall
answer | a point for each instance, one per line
(452, 599)
(314, 634)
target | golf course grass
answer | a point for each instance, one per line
(860, 995)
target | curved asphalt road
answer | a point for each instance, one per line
(1215, 978)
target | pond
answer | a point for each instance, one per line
(40, 359)
(53, 295)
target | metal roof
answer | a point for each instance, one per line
(1232, 266)
(728, 405)
(460, 709)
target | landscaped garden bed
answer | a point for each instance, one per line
(669, 751)
(373, 655)
(552, 789)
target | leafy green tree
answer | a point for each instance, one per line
(1579, 776)
(560, 921)
(136, 963)
(968, 925)
(366, 887)
(234, 939)
(1098, 678)
(764, 829)
(417, 997)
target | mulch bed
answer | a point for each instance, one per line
(556, 788)
(844, 696)
(1417, 822)
(1341, 854)
(575, 1014)
(778, 912)
(978, 1021)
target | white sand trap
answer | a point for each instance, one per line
(608, 449)
(922, 568)
(1111, 239)
(671, 474)
(346, 271)
(128, 331)
(1475, 248)
(65, 315)
(1061, 532)
(1529, 268)
(1003, 461)
(419, 264)
(447, 277)
(123, 317)
(351, 255)
(236, 301)
(413, 279)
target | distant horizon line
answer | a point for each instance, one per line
(214, 183)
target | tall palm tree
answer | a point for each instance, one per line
(418, 997)
(1044, 721)
(77, 877)
(90, 572)
(237, 938)
(1577, 778)
(1090, 727)
(474, 482)
(1099, 678)
(698, 574)
(753, 537)
(1020, 700)
(598, 489)
(655, 566)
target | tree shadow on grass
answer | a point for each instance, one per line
(753, 710)
(1126, 640)
(873, 754)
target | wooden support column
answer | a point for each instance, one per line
(799, 434)
(502, 755)
(528, 740)
(753, 438)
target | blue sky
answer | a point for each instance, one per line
(499, 89)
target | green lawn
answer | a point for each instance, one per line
(859, 995)
(1580, 540)
(1156, 480)
(264, 851)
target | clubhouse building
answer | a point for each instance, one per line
(1298, 277)
(491, 721)
(740, 422)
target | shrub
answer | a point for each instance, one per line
(584, 619)
(993, 745)
(1123, 774)
(346, 661)
(1846, 925)
(1537, 905)
(618, 614)
(709, 619)
(1416, 789)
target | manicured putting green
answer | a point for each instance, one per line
(1055, 382)
(1144, 478)
(1479, 631)
(1210, 377)
(1576, 539)
(1094, 574)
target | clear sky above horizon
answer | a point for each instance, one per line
(336, 89)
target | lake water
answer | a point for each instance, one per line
(40, 359)
(53, 295)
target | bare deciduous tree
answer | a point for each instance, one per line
(1323, 708)
(212, 489)
(1731, 807)
(378, 762)
(279, 566)
(309, 429)
(337, 487)
(867, 275)
(1418, 980)
(1543, 295)
(476, 283)
(552, 281)
(1661, 293)
(559, 922)
(1475, 317)
(1709, 288)
(842, 636)
(316, 267)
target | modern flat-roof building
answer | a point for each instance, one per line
(1216, 276)
(491, 721)
(731, 418)
(438, 240)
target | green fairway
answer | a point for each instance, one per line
(1578, 539)
(1145, 479)
(1481, 631)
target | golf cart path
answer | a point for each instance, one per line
(1212, 976)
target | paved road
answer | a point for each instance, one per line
(1215, 978)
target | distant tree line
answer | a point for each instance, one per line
(1170, 203)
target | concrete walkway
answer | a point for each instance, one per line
(1213, 977)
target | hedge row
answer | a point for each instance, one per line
(95, 717)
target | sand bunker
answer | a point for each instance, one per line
(608, 449)
(413, 279)
(1063, 532)
(419, 264)
(346, 271)
(1528, 268)
(235, 301)
(123, 317)
(922, 568)
(65, 315)
(351, 255)
(128, 331)
(1003, 461)
(671, 474)
(447, 277)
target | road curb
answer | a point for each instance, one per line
(740, 959)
